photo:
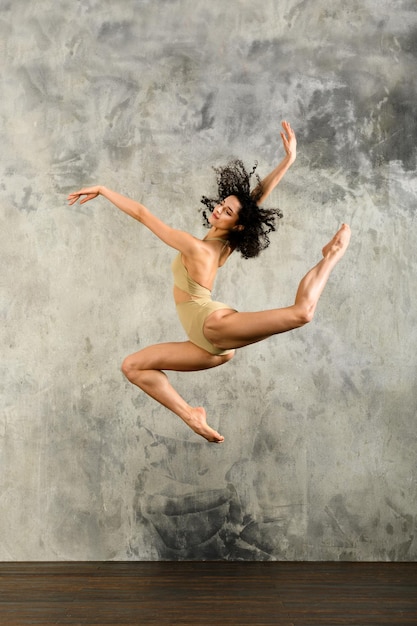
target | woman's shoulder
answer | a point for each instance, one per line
(212, 251)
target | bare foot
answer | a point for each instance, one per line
(198, 423)
(338, 245)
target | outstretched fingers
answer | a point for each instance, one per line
(288, 139)
(89, 192)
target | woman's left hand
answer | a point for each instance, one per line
(289, 140)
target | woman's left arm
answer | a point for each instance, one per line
(271, 181)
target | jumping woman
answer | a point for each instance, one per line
(215, 330)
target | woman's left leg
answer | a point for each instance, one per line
(144, 369)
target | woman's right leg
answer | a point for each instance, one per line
(144, 369)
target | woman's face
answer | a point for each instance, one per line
(225, 215)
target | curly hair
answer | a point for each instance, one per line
(234, 180)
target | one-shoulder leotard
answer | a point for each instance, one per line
(194, 312)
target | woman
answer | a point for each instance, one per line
(215, 329)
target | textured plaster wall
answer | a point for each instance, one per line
(145, 96)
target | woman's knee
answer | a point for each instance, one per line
(130, 366)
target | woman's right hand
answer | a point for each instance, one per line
(89, 192)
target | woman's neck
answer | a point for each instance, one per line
(217, 233)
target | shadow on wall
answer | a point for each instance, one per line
(185, 521)
(187, 508)
(207, 525)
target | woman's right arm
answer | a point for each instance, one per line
(177, 239)
(269, 183)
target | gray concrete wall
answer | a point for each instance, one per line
(319, 460)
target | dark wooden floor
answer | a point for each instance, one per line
(211, 593)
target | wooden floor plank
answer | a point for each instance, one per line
(208, 593)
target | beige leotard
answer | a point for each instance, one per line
(194, 312)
